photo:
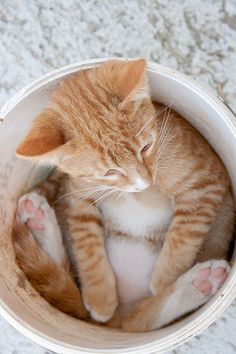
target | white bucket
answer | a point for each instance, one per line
(20, 305)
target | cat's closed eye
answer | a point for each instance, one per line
(146, 147)
(113, 172)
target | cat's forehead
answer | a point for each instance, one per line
(111, 149)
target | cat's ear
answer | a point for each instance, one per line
(131, 81)
(45, 139)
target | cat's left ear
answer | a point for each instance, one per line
(45, 141)
(128, 80)
(133, 83)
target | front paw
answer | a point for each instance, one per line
(100, 298)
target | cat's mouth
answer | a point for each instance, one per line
(140, 184)
(135, 189)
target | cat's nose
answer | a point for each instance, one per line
(141, 184)
(143, 179)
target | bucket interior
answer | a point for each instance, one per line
(20, 303)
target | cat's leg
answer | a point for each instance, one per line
(215, 246)
(97, 279)
(40, 218)
(193, 215)
(190, 291)
(40, 254)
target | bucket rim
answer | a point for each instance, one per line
(215, 307)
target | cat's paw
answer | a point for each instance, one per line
(100, 298)
(29, 211)
(34, 211)
(205, 278)
(189, 292)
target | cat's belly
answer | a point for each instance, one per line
(136, 216)
(133, 263)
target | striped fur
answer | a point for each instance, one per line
(103, 131)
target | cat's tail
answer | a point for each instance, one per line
(53, 281)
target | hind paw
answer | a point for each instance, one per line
(34, 211)
(31, 211)
(210, 276)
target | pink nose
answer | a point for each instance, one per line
(141, 184)
(143, 179)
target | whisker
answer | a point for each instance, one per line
(163, 109)
(102, 197)
(144, 126)
(164, 137)
(119, 195)
(164, 126)
(89, 189)
(90, 193)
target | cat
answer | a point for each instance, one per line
(41, 255)
(139, 179)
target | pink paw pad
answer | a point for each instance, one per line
(39, 215)
(203, 282)
(27, 206)
(36, 215)
(34, 225)
(220, 273)
(203, 285)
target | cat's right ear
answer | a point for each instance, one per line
(45, 140)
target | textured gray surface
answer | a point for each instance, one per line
(197, 37)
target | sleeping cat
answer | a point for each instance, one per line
(142, 186)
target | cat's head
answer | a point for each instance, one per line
(99, 127)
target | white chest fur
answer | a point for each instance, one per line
(138, 214)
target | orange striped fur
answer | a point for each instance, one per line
(105, 133)
(55, 283)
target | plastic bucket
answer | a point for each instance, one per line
(20, 304)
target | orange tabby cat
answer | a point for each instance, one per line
(105, 133)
